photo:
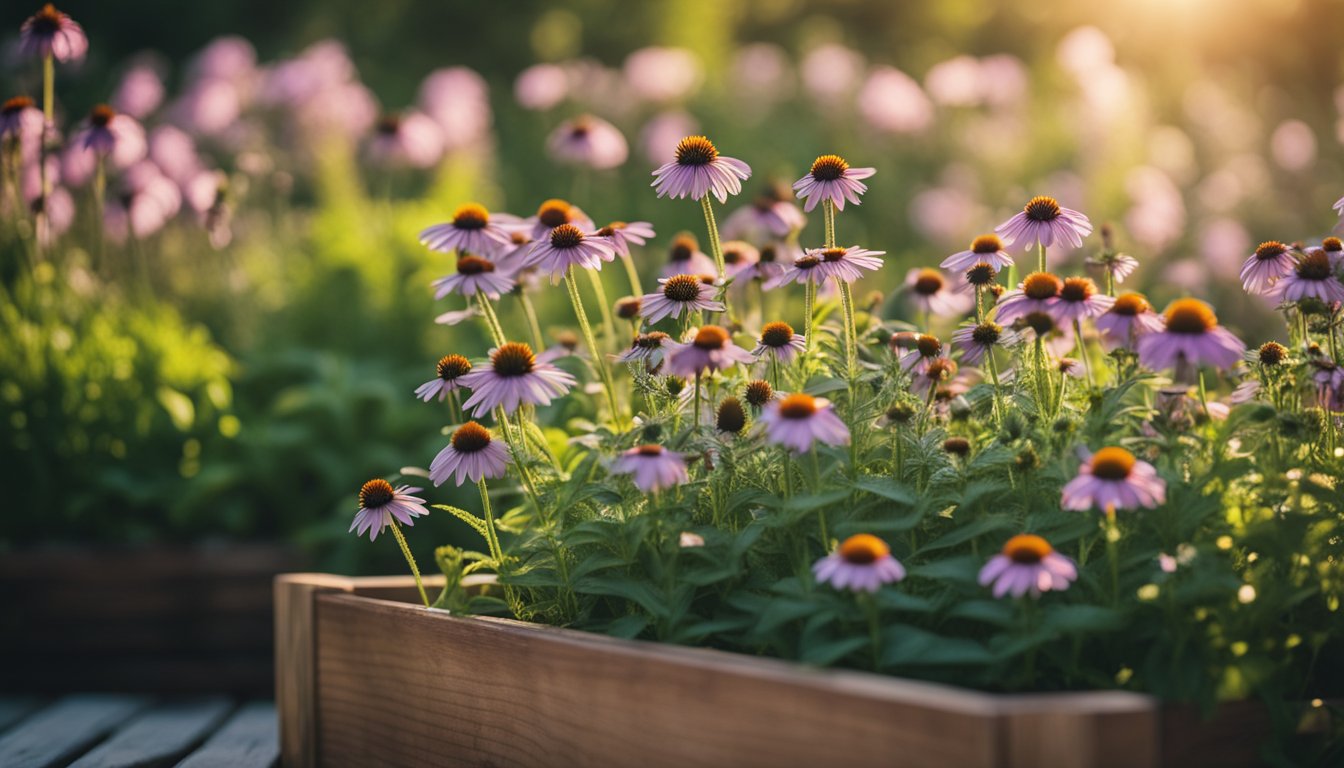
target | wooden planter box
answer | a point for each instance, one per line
(365, 676)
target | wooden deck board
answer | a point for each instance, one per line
(250, 739)
(159, 736)
(66, 729)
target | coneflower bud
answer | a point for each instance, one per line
(567, 339)
(759, 392)
(731, 418)
(900, 413)
(628, 308)
(957, 446)
(1272, 353)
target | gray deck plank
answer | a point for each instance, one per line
(15, 708)
(67, 728)
(159, 736)
(250, 739)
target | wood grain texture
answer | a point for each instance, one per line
(295, 668)
(58, 733)
(159, 736)
(1109, 729)
(426, 688)
(250, 739)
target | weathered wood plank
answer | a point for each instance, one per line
(399, 685)
(1105, 729)
(250, 739)
(57, 734)
(159, 736)
(15, 708)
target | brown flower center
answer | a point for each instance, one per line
(696, 150)
(759, 392)
(473, 265)
(1130, 304)
(555, 212)
(768, 254)
(566, 236)
(1040, 322)
(1331, 244)
(986, 244)
(798, 406)
(101, 116)
(1112, 463)
(653, 340)
(17, 104)
(682, 288)
(47, 21)
(1190, 316)
(980, 274)
(628, 307)
(471, 216)
(987, 334)
(1272, 353)
(1042, 208)
(388, 125)
(710, 337)
(1270, 249)
(776, 334)
(1027, 549)
(375, 493)
(832, 255)
(1041, 286)
(451, 367)
(941, 369)
(829, 167)
(957, 446)
(928, 346)
(513, 358)
(863, 549)
(928, 281)
(470, 438)
(807, 262)
(649, 449)
(1314, 265)
(684, 247)
(1077, 289)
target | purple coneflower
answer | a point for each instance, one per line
(1028, 564)
(930, 292)
(473, 229)
(920, 350)
(568, 247)
(698, 170)
(739, 260)
(985, 249)
(52, 33)
(588, 141)
(779, 340)
(805, 268)
(1333, 248)
(1078, 299)
(1192, 335)
(555, 213)
(832, 179)
(1038, 292)
(21, 121)
(1271, 261)
(1117, 265)
(862, 563)
(797, 421)
(652, 467)
(1313, 276)
(686, 258)
(410, 140)
(1043, 221)
(115, 137)
(938, 371)
(1130, 317)
(471, 454)
(773, 258)
(513, 376)
(1111, 479)
(976, 341)
(647, 347)
(679, 294)
(847, 264)
(710, 349)
(449, 369)
(380, 504)
(771, 216)
(621, 234)
(474, 275)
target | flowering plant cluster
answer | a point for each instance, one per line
(1040, 483)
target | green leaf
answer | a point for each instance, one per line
(476, 523)
(640, 593)
(1083, 618)
(887, 488)
(967, 531)
(907, 646)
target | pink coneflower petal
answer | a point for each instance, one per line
(680, 294)
(862, 563)
(798, 421)
(513, 377)
(472, 454)
(1044, 221)
(699, 170)
(652, 468)
(380, 505)
(1027, 564)
(832, 179)
(1113, 479)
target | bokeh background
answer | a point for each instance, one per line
(237, 381)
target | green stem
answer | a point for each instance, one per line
(715, 248)
(410, 560)
(496, 331)
(633, 274)
(994, 378)
(1082, 351)
(531, 313)
(1040, 256)
(599, 361)
(809, 309)
(828, 215)
(851, 330)
(608, 325)
(492, 537)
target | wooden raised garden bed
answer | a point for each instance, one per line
(367, 677)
